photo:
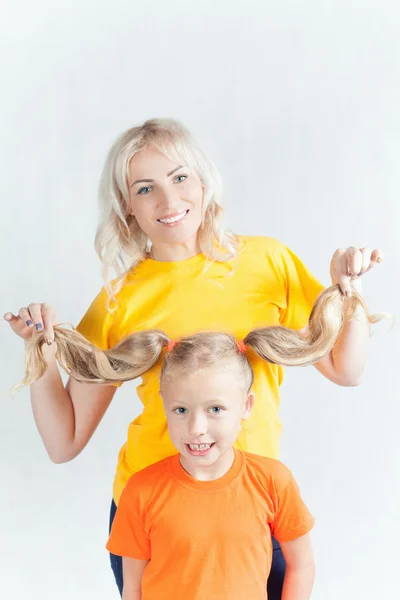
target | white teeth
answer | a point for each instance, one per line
(174, 219)
(199, 446)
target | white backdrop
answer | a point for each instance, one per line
(298, 103)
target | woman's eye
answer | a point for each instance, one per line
(144, 190)
(180, 410)
(180, 178)
(215, 410)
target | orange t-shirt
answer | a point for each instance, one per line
(208, 539)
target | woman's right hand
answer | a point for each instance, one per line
(34, 318)
(65, 417)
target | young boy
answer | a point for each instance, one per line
(199, 525)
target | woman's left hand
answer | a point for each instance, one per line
(348, 265)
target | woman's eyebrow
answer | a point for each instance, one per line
(152, 180)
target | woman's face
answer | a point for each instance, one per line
(166, 198)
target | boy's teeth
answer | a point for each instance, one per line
(174, 219)
(199, 446)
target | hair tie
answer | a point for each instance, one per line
(171, 345)
(242, 347)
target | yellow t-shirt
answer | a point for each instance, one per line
(267, 285)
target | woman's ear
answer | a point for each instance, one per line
(248, 405)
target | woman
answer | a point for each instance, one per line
(179, 271)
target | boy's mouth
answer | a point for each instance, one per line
(199, 449)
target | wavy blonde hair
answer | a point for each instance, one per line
(120, 243)
(140, 351)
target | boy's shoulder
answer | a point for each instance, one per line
(267, 470)
(151, 477)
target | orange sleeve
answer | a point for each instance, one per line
(128, 537)
(302, 288)
(292, 518)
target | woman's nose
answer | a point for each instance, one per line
(168, 198)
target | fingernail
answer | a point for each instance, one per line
(29, 323)
(39, 327)
(7, 316)
(379, 259)
(49, 341)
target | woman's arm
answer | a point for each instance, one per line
(300, 569)
(345, 364)
(66, 417)
(133, 570)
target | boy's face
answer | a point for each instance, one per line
(204, 412)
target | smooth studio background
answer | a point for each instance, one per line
(298, 104)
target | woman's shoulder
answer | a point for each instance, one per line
(262, 245)
(103, 313)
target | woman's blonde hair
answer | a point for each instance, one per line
(140, 351)
(120, 243)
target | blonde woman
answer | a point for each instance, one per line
(176, 269)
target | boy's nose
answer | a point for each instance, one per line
(197, 425)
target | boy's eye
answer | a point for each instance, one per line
(144, 190)
(215, 410)
(180, 410)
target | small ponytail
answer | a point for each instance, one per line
(83, 361)
(288, 347)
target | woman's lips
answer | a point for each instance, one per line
(174, 219)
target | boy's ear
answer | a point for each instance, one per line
(248, 405)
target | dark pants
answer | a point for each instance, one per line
(275, 580)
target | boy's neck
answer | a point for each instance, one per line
(217, 469)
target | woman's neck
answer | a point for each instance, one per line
(174, 252)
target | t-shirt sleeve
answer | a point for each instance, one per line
(302, 288)
(128, 537)
(98, 324)
(292, 519)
